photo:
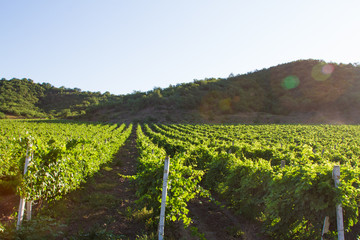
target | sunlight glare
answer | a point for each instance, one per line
(290, 82)
(327, 69)
(322, 71)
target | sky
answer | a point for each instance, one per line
(136, 45)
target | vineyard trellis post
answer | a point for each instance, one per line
(282, 163)
(339, 211)
(163, 199)
(28, 210)
(28, 158)
(325, 227)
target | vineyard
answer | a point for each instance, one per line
(279, 176)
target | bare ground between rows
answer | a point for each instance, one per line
(105, 201)
(216, 222)
(8, 204)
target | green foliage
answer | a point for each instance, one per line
(97, 233)
(151, 236)
(241, 164)
(63, 154)
(281, 90)
(295, 87)
(182, 183)
(23, 97)
(299, 199)
(219, 168)
(246, 186)
(195, 232)
(2, 115)
(41, 228)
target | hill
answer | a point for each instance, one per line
(24, 98)
(304, 91)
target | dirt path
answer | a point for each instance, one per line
(8, 204)
(105, 203)
(218, 223)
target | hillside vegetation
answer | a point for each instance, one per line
(24, 98)
(310, 91)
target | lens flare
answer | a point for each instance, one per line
(322, 71)
(327, 69)
(290, 82)
(225, 105)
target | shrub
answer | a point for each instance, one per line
(2, 115)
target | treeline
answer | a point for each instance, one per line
(297, 87)
(24, 98)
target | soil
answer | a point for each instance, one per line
(8, 204)
(217, 222)
(107, 200)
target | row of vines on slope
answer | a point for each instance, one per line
(64, 154)
(241, 164)
(183, 180)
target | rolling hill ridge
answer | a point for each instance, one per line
(304, 91)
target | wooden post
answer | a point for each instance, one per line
(28, 210)
(163, 199)
(325, 227)
(339, 211)
(22, 200)
(282, 163)
(20, 213)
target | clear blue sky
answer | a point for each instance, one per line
(121, 46)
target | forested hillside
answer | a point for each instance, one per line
(312, 89)
(300, 91)
(24, 98)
